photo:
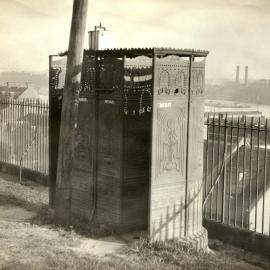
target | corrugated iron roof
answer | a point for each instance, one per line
(154, 50)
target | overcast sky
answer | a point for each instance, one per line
(235, 32)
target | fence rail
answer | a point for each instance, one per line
(236, 163)
(237, 172)
(24, 137)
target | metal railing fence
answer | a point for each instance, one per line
(237, 172)
(24, 137)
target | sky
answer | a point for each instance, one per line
(235, 32)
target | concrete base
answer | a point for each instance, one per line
(245, 239)
(198, 241)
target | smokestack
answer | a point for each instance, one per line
(237, 74)
(246, 76)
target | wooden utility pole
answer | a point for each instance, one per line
(69, 113)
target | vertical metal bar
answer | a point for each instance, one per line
(47, 138)
(26, 137)
(243, 180)
(237, 174)
(265, 172)
(191, 60)
(218, 165)
(11, 131)
(212, 165)
(7, 132)
(2, 110)
(37, 134)
(20, 130)
(24, 129)
(250, 171)
(206, 162)
(258, 173)
(230, 174)
(7, 129)
(31, 158)
(16, 132)
(1, 130)
(225, 170)
(41, 144)
(6, 137)
(33, 132)
(27, 133)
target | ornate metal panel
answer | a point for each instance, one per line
(109, 73)
(170, 112)
(88, 75)
(137, 92)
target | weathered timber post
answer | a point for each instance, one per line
(69, 113)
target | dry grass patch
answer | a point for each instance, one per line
(38, 244)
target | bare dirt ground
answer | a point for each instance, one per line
(29, 240)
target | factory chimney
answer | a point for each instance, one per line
(237, 74)
(246, 76)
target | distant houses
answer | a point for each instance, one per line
(13, 90)
(23, 126)
(21, 91)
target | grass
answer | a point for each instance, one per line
(39, 244)
(181, 255)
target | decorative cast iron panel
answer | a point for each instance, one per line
(109, 73)
(88, 75)
(173, 77)
(197, 82)
(171, 134)
(169, 138)
(138, 86)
